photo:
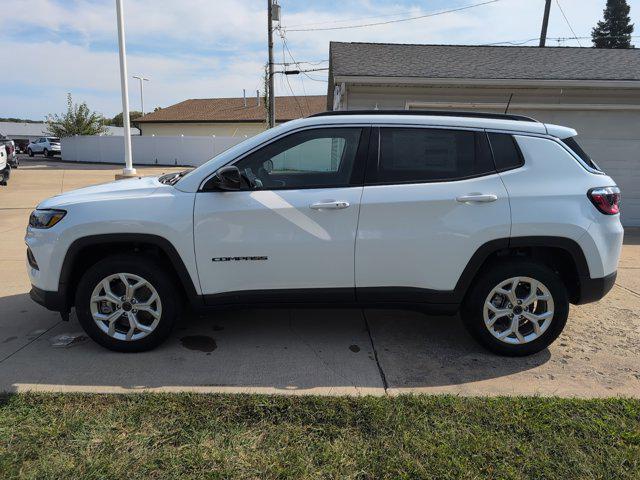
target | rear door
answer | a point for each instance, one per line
(292, 234)
(432, 197)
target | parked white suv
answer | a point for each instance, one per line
(502, 218)
(5, 168)
(47, 146)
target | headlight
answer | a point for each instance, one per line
(45, 218)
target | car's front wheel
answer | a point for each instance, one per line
(30, 152)
(516, 308)
(127, 303)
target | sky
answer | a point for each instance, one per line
(216, 48)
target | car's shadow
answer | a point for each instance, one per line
(323, 351)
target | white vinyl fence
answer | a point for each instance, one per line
(188, 151)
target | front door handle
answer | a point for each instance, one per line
(332, 205)
(477, 198)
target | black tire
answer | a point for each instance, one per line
(472, 308)
(45, 153)
(152, 272)
(30, 152)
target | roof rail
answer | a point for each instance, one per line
(430, 113)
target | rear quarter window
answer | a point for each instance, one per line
(575, 147)
(506, 153)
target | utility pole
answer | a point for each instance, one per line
(545, 23)
(271, 108)
(142, 79)
(128, 170)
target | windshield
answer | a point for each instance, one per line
(572, 143)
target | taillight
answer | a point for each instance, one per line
(605, 199)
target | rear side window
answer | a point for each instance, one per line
(572, 143)
(505, 150)
(416, 155)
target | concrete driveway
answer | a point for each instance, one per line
(302, 350)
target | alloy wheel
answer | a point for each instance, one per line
(126, 306)
(518, 310)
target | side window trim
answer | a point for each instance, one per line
(373, 162)
(358, 171)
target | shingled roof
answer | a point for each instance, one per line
(229, 110)
(483, 62)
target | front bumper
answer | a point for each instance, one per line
(593, 289)
(49, 300)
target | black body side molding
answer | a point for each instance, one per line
(435, 301)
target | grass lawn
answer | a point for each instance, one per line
(256, 436)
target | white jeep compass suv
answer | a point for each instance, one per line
(500, 217)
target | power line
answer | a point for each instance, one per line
(434, 14)
(286, 64)
(352, 19)
(284, 59)
(568, 24)
(558, 39)
(304, 72)
(304, 90)
(513, 42)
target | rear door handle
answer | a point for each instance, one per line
(332, 205)
(477, 198)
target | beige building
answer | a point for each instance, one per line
(228, 117)
(595, 91)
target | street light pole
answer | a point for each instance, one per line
(128, 170)
(142, 79)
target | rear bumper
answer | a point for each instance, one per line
(49, 300)
(593, 289)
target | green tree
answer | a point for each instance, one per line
(616, 28)
(78, 120)
(117, 120)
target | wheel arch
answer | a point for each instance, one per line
(562, 254)
(85, 251)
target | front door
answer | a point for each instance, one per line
(291, 233)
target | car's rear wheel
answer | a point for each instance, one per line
(127, 303)
(516, 308)
(45, 152)
(30, 152)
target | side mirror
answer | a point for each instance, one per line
(227, 179)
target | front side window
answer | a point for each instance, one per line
(309, 159)
(416, 155)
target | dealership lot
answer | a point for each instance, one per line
(302, 350)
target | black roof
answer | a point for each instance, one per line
(429, 113)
